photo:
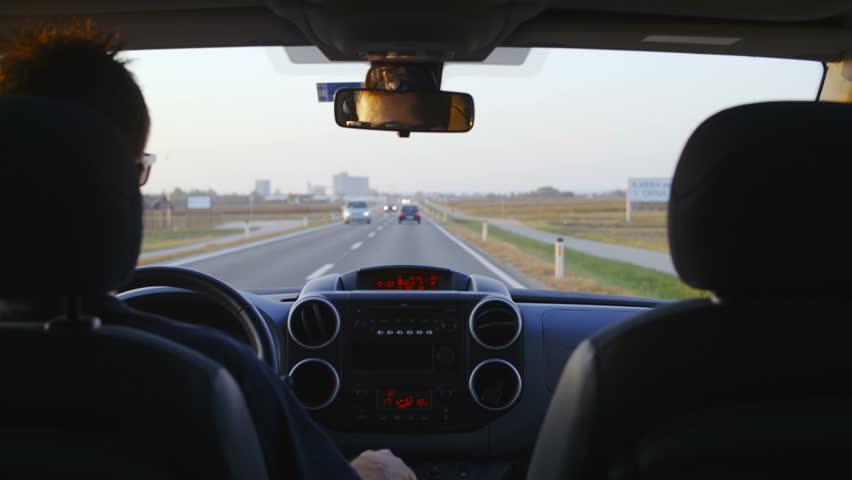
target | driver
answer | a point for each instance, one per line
(421, 110)
(77, 63)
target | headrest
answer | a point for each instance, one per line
(761, 200)
(70, 201)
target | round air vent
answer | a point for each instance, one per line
(495, 384)
(315, 383)
(313, 322)
(495, 323)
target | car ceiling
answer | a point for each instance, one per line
(468, 30)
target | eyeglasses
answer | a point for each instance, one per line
(143, 167)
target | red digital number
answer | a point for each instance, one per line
(410, 282)
(422, 403)
(405, 402)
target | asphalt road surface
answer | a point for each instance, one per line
(339, 248)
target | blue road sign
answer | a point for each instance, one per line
(326, 91)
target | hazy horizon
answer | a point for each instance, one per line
(577, 120)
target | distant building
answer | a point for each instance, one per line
(263, 187)
(316, 190)
(346, 186)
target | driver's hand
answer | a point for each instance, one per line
(382, 465)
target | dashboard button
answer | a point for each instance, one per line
(383, 418)
(409, 332)
(389, 332)
(429, 332)
(399, 332)
(396, 418)
(360, 392)
(445, 392)
(419, 332)
(380, 332)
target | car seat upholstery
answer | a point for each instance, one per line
(756, 381)
(80, 399)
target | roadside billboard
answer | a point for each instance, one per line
(198, 202)
(647, 190)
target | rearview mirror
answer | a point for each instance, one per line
(417, 111)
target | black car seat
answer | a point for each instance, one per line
(756, 381)
(79, 399)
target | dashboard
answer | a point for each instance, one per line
(426, 361)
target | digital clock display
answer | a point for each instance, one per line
(404, 279)
(409, 282)
(395, 398)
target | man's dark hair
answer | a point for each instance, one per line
(76, 62)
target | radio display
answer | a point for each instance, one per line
(404, 279)
(394, 398)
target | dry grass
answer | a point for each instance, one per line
(161, 240)
(531, 265)
(601, 219)
(163, 258)
(156, 220)
(186, 227)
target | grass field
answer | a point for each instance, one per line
(161, 239)
(169, 256)
(184, 227)
(601, 219)
(584, 273)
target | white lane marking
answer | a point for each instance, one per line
(356, 245)
(490, 266)
(320, 271)
(371, 235)
(245, 246)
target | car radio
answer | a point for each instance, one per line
(405, 365)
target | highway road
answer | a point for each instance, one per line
(292, 259)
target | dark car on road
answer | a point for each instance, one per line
(409, 212)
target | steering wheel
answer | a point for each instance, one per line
(264, 343)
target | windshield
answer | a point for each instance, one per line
(577, 145)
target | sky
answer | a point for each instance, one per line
(577, 120)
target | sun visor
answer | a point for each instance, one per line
(435, 31)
